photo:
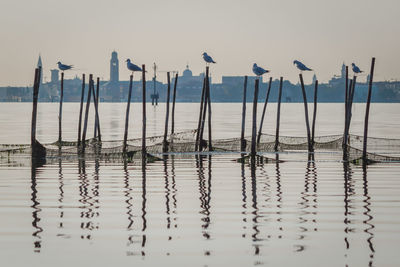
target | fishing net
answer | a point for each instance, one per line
(380, 149)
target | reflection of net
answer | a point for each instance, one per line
(380, 149)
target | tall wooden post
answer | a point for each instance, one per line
(203, 118)
(87, 113)
(165, 143)
(254, 125)
(209, 109)
(80, 110)
(173, 105)
(315, 113)
(263, 112)
(60, 110)
(242, 140)
(34, 108)
(278, 115)
(371, 77)
(346, 111)
(351, 97)
(198, 141)
(96, 108)
(128, 105)
(310, 149)
(144, 112)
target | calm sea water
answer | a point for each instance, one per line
(198, 210)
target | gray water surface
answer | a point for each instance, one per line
(198, 210)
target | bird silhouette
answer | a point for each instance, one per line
(301, 66)
(355, 68)
(258, 70)
(63, 67)
(131, 66)
(207, 58)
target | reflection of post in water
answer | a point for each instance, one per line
(89, 198)
(205, 194)
(279, 192)
(244, 195)
(167, 193)
(129, 205)
(347, 192)
(368, 221)
(144, 200)
(255, 208)
(61, 190)
(308, 201)
(36, 210)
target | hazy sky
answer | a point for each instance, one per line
(321, 33)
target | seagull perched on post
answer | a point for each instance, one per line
(132, 67)
(207, 58)
(355, 68)
(258, 70)
(63, 67)
(301, 66)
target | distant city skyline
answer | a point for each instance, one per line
(322, 34)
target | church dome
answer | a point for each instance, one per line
(187, 72)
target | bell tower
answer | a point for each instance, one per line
(114, 67)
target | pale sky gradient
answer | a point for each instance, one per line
(236, 33)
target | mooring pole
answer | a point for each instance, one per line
(315, 113)
(87, 113)
(198, 141)
(254, 125)
(371, 77)
(203, 119)
(263, 112)
(34, 108)
(96, 121)
(310, 149)
(351, 97)
(128, 105)
(278, 115)
(144, 112)
(173, 106)
(346, 111)
(165, 143)
(80, 110)
(96, 108)
(209, 110)
(60, 110)
(242, 140)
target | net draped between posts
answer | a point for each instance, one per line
(379, 149)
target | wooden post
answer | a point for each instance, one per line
(60, 110)
(165, 143)
(34, 108)
(351, 97)
(173, 105)
(346, 105)
(263, 112)
(371, 77)
(85, 124)
(144, 112)
(96, 108)
(198, 141)
(203, 118)
(254, 126)
(315, 113)
(96, 121)
(209, 110)
(128, 105)
(310, 149)
(278, 115)
(80, 110)
(242, 140)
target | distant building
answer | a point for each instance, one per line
(111, 89)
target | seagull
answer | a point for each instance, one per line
(355, 68)
(207, 58)
(301, 66)
(63, 66)
(258, 70)
(131, 66)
